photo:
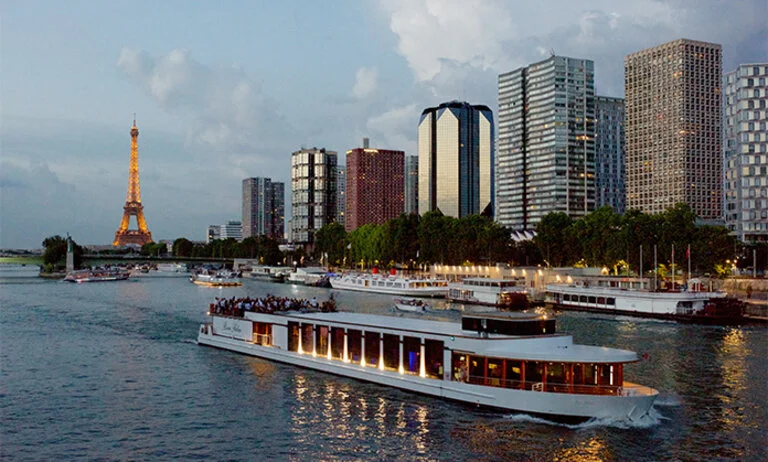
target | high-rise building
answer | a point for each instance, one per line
(609, 153)
(546, 152)
(313, 192)
(411, 184)
(746, 152)
(232, 229)
(455, 144)
(263, 208)
(374, 186)
(341, 191)
(673, 128)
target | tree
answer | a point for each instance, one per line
(331, 239)
(182, 247)
(55, 254)
(554, 238)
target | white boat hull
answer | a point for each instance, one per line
(555, 405)
(428, 292)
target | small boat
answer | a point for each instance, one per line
(506, 293)
(411, 304)
(97, 275)
(218, 279)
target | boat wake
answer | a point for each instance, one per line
(190, 340)
(651, 419)
(668, 401)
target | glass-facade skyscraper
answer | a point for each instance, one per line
(746, 152)
(546, 152)
(610, 154)
(313, 192)
(263, 208)
(411, 184)
(455, 143)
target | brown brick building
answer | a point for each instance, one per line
(375, 186)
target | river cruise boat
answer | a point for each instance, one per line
(216, 279)
(269, 273)
(393, 285)
(509, 361)
(97, 275)
(317, 277)
(488, 291)
(686, 306)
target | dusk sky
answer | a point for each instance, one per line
(227, 90)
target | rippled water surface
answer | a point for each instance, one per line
(112, 371)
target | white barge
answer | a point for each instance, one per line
(393, 285)
(687, 306)
(509, 361)
(487, 291)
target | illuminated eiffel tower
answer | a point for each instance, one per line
(133, 206)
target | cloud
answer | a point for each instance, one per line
(227, 109)
(439, 37)
(396, 128)
(365, 82)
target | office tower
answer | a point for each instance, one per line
(546, 152)
(313, 192)
(232, 229)
(341, 191)
(673, 128)
(609, 153)
(374, 186)
(455, 144)
(746, 152)
(411, 184)
(263, 208)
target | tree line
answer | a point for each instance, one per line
(603, 238)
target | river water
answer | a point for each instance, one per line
(112, 371)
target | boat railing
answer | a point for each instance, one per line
(628, 389)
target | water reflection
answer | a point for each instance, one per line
(732, 353)
(591, 450)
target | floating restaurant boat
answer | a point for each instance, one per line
(393, 285)
(411, 304)
(509, 361)
(218, 279)
(97, 275)
(686, 306)
(488, 291)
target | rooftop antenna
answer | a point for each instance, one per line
(134, 119)
(551, 52)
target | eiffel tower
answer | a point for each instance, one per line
(133, 207)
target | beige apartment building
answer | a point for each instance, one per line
(674, 127)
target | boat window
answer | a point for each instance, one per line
(262, 333)
(601, 300)
(476, 370)
(293, 336)
(391, 351)
(411, 354)
(514, 373)
(592, 299)
(337, 342)
(433, 351)
(583, 299)
(534, 371)
(372, 347)
(557, 373)
(306, 337)
(494, 372)
(321, 340)
(611, 301)
(566, 297)
(354, 345)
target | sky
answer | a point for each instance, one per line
(226, 90)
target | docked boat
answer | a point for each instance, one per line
(509, 293)
(309, 277)
(97, 275)
(216, 279)
(685, 305)
(509, 361)
(413, 305)
(394, 285)
(268, 273)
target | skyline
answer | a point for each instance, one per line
(224, 93)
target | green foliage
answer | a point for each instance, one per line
(55, 253)
(331, 239)
(262, 248)
(604, 238)
(153, 249)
